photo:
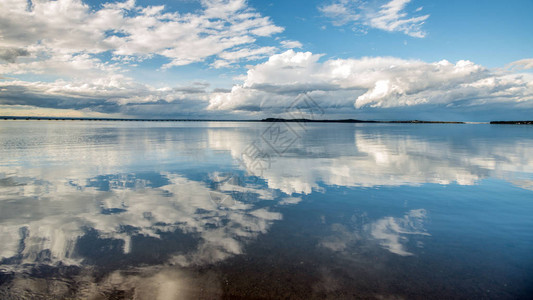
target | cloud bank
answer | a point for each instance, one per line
(375, 82)
(67, 58)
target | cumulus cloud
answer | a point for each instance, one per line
(128, 30)
(82, 54)
(390, 16)
(86, 66)
(373, 82)
(341, 87)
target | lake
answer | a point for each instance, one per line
(178, 210)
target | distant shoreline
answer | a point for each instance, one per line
(119, 119)
(357, 121)
(263, 120)
(512, 122)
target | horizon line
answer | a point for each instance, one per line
(36, 118)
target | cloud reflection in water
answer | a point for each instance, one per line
(176, 198)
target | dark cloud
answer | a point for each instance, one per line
(37, 97)
(10, 54)
(294, 89)
(190, 89)
(221, 90)
(19, 95)
(137, 102)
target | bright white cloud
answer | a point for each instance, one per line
(87, 66)
(71, 27)
(68, 43)
(390, 16)
(339, 86)
(376, 82)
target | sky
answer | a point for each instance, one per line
(236, 59)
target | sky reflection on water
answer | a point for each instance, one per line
(111, 209)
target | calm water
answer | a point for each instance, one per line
(212, 210)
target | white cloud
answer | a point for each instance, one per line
(291, 44)
(339, 86)
(230, 57)
(373, 82)
(71, 27)
(523, 64)
(74, 64)
(341, 12)
(62, 64)
(82, 55)
(390, 16)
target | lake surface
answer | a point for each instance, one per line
(165, 210)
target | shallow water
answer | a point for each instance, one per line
(219, 209)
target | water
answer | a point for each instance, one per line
(217, 209)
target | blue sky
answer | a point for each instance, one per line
(491, 33)
(220, 59)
